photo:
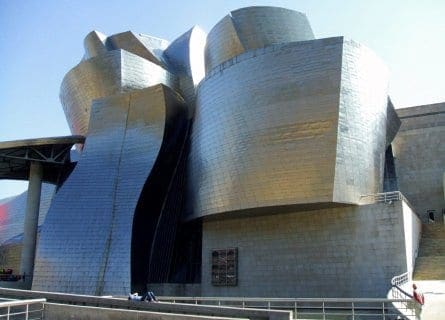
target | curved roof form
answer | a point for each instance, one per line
(252, 28)
(111, 73)
(144, 46)
(186, 54)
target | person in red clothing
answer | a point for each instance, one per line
(418, 296)
(419, 301)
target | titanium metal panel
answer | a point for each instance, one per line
(223, 43)
(259, 27)
(296, 124)
(12, 212)
(155, 45)
(12, 218)
(265, 129)
(128, 41)
(114, 72)
(361, 142)
(185, 58)
(86, 240)
(252, 28)
(392, 123)
(94, 44)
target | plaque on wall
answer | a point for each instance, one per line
(224, 267)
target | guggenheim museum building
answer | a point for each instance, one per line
(255, 160)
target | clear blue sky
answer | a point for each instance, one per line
(40, 40)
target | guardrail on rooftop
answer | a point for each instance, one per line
(386, 197)
(31, 309)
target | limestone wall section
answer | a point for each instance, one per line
(419, 153)
(342, 252)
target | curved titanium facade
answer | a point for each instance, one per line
(85, 244)
(251, 28)
(185, 58)
(362, 124)
(145, 47)
(94, 44)
(115, 72)
(258, 140)
(284, 125)
(12, 217)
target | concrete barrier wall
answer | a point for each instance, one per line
(115, 304)
(56, 311)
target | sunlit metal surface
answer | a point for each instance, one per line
(94, 44)
(12, 216)
(254, 27)
(392, 123)
(281, 123)
(299, 123)
(145, 47)
(85, 246)
(186, 60)
(116, 71)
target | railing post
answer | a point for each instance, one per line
(8, 312)
(324, 313)
(295, 310)
(27, 311)
(383, 311)
(353, 311)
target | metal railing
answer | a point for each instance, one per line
(397, 291)
(31, 309)
(313, 308)
(386, 197)
(402, 279)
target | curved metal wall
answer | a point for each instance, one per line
(116, 71)
(85, 243)
(362, 124)
(289, 125)
(94, 44)
(254, 27)
(138, 45)
(12, 218)
(185, 58)
(265, 129)
(12, 212)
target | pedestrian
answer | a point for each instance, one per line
(419, 301)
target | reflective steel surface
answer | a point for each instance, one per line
(362, 121)
(185, 58)
(85, 246)
(12, 215)
(251, 28)
(111, 73)
(299, 123)
(255, 117)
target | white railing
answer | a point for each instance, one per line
(398, 284)
(386, 197)
(313, 308)
(402, 279)
(22, 309)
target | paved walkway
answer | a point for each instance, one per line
(434, 292)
